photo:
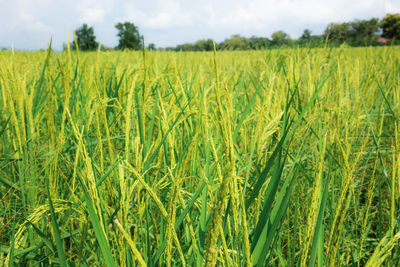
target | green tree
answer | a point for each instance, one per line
(85, 39)
(280, 38)
(310, 40)
(362, 31)
(258, 42)
(204, 45)
(306, 35)
(185, 47)
(236, 42)
(129, 36)
(338, 32)
(151, 46)
(305, 38)
(390, 25)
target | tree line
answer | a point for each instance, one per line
(128, 34)
(355, 33)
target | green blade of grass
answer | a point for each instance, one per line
(271, 222)
(296, 212)
(4, 126)
(155, 152)
(180, 220)
(59, 244)
(263, 176)
(317, 245)
(98, 231)
(268, 201)
(43, 236)
(9, 184)
(12, 248)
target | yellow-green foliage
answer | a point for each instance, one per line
(276, 157)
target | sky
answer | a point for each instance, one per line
(29, 24)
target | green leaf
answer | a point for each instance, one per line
(98, 230)
(179, 220)
(57, 236)
(317, 244)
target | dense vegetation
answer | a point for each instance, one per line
(356, 33)
(284, 157)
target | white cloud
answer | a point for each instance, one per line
(29, 23)
(161, 20)
(165, 20)
(37, 26)
(260, 12)
(93, 11)
(393, 6)
(262, 17)
(92, 15)
(166, 14)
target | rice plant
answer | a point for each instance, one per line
(286, 157)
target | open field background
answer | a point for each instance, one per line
(278, 157)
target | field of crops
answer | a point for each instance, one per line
(277, 157)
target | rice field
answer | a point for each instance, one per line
(286, 157)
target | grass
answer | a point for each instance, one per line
(283, 157)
